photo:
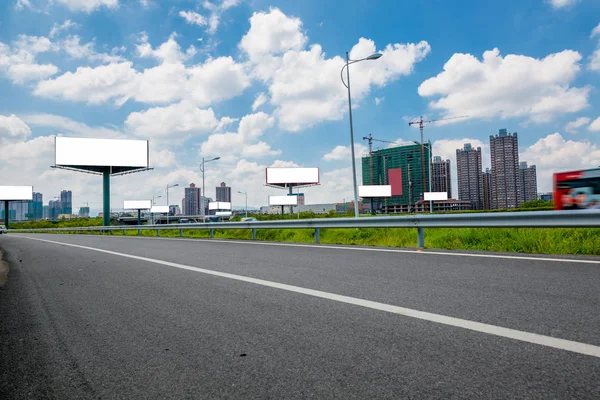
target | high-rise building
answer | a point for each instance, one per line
(486, 187)
(528, 180)
(46, 212)
(223, 193)
(174, 209)
(66, 202)
(192, 201)
(468, 170)
(84, 212)
(36, 207)
(400, 167)
(506, 187)
(54, 209)
(441, 176)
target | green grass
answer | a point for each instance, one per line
(581, 241)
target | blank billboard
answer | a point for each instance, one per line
(367, 191)
(219, 205)
(223, 213)
(101, 152)
(16, 192)
(395, 180)
(283, 200)
(159, 209)
(436, 196)
(278, 176)
(137, 204)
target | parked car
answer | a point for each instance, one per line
(2, 229)
(249, 219)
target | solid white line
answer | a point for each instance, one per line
(354, 248)
(548, 341)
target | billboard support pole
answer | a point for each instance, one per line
(139, 217)
(106, 196)
(291, 193)
(6, 213)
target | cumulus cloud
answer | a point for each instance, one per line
(573, 126)
(553, 154)
(260, 99)
(595, 57)
(68, 126)
(506, 87)
(343, 152)
(12, 127)
(193, 18)
(180, 118)
(18, 62)
(214, 18)
(72, 46)
(87, 5)
(556, 4)
(304, 83)
(56, 28)
(595, 126)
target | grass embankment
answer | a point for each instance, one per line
(583, 241)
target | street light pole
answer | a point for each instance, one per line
(169, 186)
(374, 56)
(151, 213)
(203, 194)
(245, 194)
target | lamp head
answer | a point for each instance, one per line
(374, 56)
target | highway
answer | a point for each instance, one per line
(112, 317)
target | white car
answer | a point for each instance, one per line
(2, 229)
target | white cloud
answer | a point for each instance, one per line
(18, 62)
(71, 45)
(88, 5)
(12, 127)
(343, 152)
(56, 28)
(595, 126)
(193, 18)
(64, 125)
(22, 73)
(506, 87)
(379, 100)
(304, 84)
(553, 154)
(595, 60)
(250, 128)
(595, 31)
(573, 126)
(216, 11)
(215, 80)
(562, 3)
(161, 158)
(22, 4)
(260, 99)
(183, 117)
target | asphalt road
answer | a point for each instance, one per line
(160, 318)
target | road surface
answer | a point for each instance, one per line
(112, 317)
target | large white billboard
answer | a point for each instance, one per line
(16, 192)
(278, 176)
(283, 200)
(101, 152)
(436, 196)
(137, 204)
(159, 209)
(367, 191)
(219, 205)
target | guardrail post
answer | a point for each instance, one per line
(124, 232)
(157, 232)
(181, 233)
(212, 233)
(421, 234)
(253, 233)
(317, 235)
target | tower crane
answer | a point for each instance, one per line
(421, 124)
(370, 140)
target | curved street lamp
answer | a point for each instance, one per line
(245, 194)
(167, 190)
(203, 194)
(373, 56)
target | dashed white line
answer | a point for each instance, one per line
(548, 341)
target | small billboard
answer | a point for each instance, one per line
(80, 152)
(219, 205)
(223, 213)
(370, 191)
(299, 176)
(137, 204)
(159, 209)
(14, 193)
(433, 196)
(283, 200)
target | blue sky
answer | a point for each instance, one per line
(257, 83)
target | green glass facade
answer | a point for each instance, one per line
(375, 170)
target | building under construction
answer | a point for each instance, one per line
(400, 167)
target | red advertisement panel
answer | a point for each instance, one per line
(395, 180)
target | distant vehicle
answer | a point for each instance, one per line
(248, 219)
(576, 190)
(185, 221)
(2, 229)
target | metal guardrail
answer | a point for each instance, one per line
(530, 219)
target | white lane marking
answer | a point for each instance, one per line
(548, 341)
(353, 248)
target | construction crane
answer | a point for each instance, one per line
(370, 140)
(421, 124)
